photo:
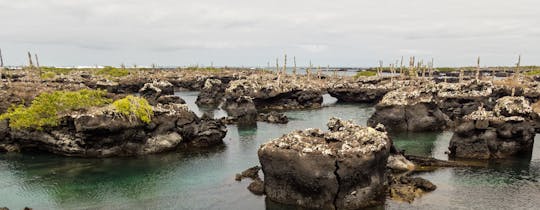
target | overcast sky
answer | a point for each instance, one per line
(252, 32)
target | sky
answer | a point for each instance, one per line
(255, 33)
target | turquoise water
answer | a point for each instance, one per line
(204, 179)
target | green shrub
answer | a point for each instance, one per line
(134, 106)
(197, 68)
(56, 71)
(365, 74)
(48, 75)
(112, 72)
(46, 108)
(533, 72)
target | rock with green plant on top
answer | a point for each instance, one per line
(64, 123)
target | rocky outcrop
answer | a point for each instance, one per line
(409, 109)
(460, 99)
(361, 91)
(212, 93)
(269, 93)
(101, 132)
(504, 132)
(242, 109)
(257, 186)
(158, 91)
(340, 169)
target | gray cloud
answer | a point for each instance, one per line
(253, 32)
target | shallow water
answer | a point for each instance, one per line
(204, 179)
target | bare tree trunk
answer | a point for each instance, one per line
(380, 69)
(411, 67)
(517, 72)
(460, 75)
(423, 70)
(30, 63)
(392, 72)
(1, 59)
(431, 68)
(401, 68)
(294, 68)
(285, 65)
(308, 70)
(277, 69)
(478, 68)
(1, 66)
(37, 65)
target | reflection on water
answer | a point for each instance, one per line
(204, 179)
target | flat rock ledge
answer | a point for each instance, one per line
(340, 169)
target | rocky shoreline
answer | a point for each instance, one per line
(349, 166)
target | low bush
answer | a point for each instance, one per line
(46, 108)
(48, 75)
(132, 106)
(365, 74)
(112, 72)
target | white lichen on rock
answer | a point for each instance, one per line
(406, 96)
(481, 114)
(209, 83)
(508, 108)
(512, 106)
(261, 86)
(469, 89)
(343, 138)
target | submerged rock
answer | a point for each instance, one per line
(273, 117)
(257, 186)
(252, 173)
(340, 169)
(504, 132)
(407, 189)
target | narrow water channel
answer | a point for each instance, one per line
(204, 179)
